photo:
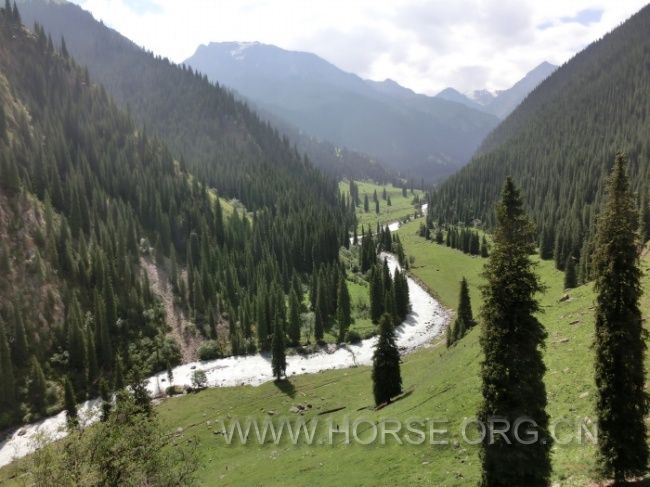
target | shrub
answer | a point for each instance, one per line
(210, 350)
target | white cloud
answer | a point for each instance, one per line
(423, 44)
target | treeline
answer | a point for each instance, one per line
(464, 239)
(90, 194)
(559, 143)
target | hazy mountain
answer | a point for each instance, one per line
(501, 103)
(560, 142)
(119, 64)
(415, 134)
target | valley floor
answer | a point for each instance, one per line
(441, 385)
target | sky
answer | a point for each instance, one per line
(425, 45)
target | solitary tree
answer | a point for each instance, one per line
(464, 319)
(343, 312)
(622, 402)
(513, 369)
(386, 376)
(279, 359)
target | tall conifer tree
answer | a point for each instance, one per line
(386, 375)
(622, 401)
(513, 369)
(279, 359)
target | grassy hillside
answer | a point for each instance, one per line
(444, 384)
(401, 206)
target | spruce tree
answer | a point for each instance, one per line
(20, 351)
(570, 277)
(512, 370)
(621, 402)
(37, 389)
(366, 204)
(319, 325)
(279, 359)
(401, 292)
(386, 375)
(464, 318)
(343, 311)
(377, 295)
(70, 403)
(7, 380)
(294, 318)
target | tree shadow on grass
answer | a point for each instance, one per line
(286, 387)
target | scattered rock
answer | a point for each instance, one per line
(565, 297)
(563, 340)
(575, 322)
(21, 432)
(270, 413)
(584, 395)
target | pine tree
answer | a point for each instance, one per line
(279, 359)
(570, 277)
(366, 203)
(464, 319)
(105, 394)
(386, 375)
(622, 402)
(401, 292)
(377, 295)
(644, 221)
(37, 389)
(513, 369)
(70, 402)
(7, 380)
(295, 321)
(377, 207)
(20, 351)
(343, 312)
(118, 374)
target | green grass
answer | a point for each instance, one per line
(401, 207)
(445, 384)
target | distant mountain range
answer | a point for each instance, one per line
(414, 134)
(501, 103)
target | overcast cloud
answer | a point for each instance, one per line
(425, 45)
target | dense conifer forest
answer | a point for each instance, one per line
(88, 195)
(559, 145)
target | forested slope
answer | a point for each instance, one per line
(85, 193)
(219, 135)
(559, 144)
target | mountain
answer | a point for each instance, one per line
(503, 102)
(560, 142)
(116, 252)
(454, 95)
(415, 134)
(507, 100)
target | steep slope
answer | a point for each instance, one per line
(507, 100)
(415, 134)
(560, 143)
(194, 118)
(87, 198)
(221, 140)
